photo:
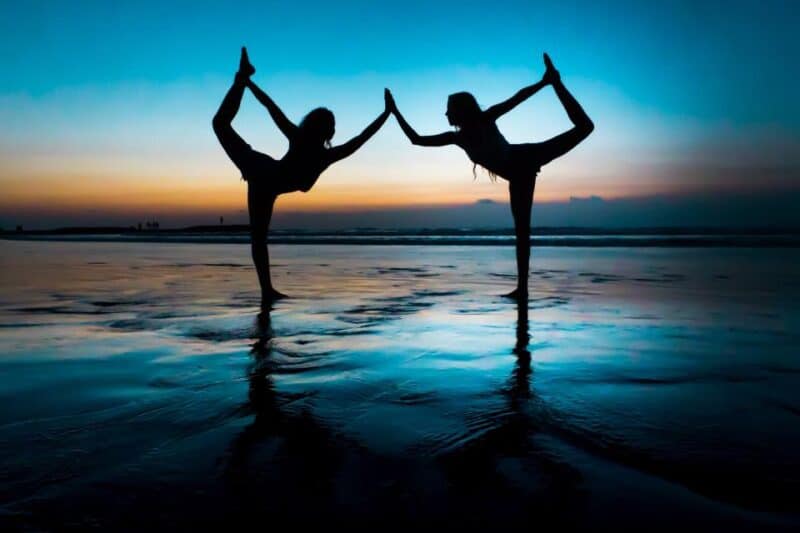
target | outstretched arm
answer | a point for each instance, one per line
(284, 124)
(343, 150)
(498, 110)
(442, 139)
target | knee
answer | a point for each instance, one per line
(587, 128)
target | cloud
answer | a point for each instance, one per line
(588, 199)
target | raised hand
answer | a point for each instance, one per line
(551, 75)
(245, 68)
(389, 101)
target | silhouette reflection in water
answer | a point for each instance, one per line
(290, 458)
(285, 458)
(526, 481)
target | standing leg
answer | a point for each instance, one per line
(521, 195)
(259, 205)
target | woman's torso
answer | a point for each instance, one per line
(300, 166)
(486, 146)
(297, 170)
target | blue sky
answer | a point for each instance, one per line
(707, 59)
(687, 96)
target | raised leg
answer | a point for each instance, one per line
(521, 196)
(575, 112)
(236, 148)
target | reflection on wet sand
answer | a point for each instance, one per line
(383, 393)
(305, 444)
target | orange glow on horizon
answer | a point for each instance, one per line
(334, 192)
(131, 197)
(135, 196)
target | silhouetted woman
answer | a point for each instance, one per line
(477, 133)
(308, 156)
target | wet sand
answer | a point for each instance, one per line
(642, 388)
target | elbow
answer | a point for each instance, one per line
(586, 128)
(589, 126)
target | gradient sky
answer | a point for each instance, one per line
(106, 106)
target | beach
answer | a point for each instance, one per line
(641, 387)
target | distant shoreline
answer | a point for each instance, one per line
(541, 236)
(535, 230)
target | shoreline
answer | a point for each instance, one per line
(663, 237)
(593, 241)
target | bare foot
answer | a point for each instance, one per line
(270, 296)
(245, 68)
(551, 75)
(518, 294)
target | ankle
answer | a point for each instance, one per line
(241, 78)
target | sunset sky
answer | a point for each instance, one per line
(106, 106)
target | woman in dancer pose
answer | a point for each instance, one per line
(477, 134)
(309, 154)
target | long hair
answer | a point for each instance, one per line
(465, 113)
(318, 126)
